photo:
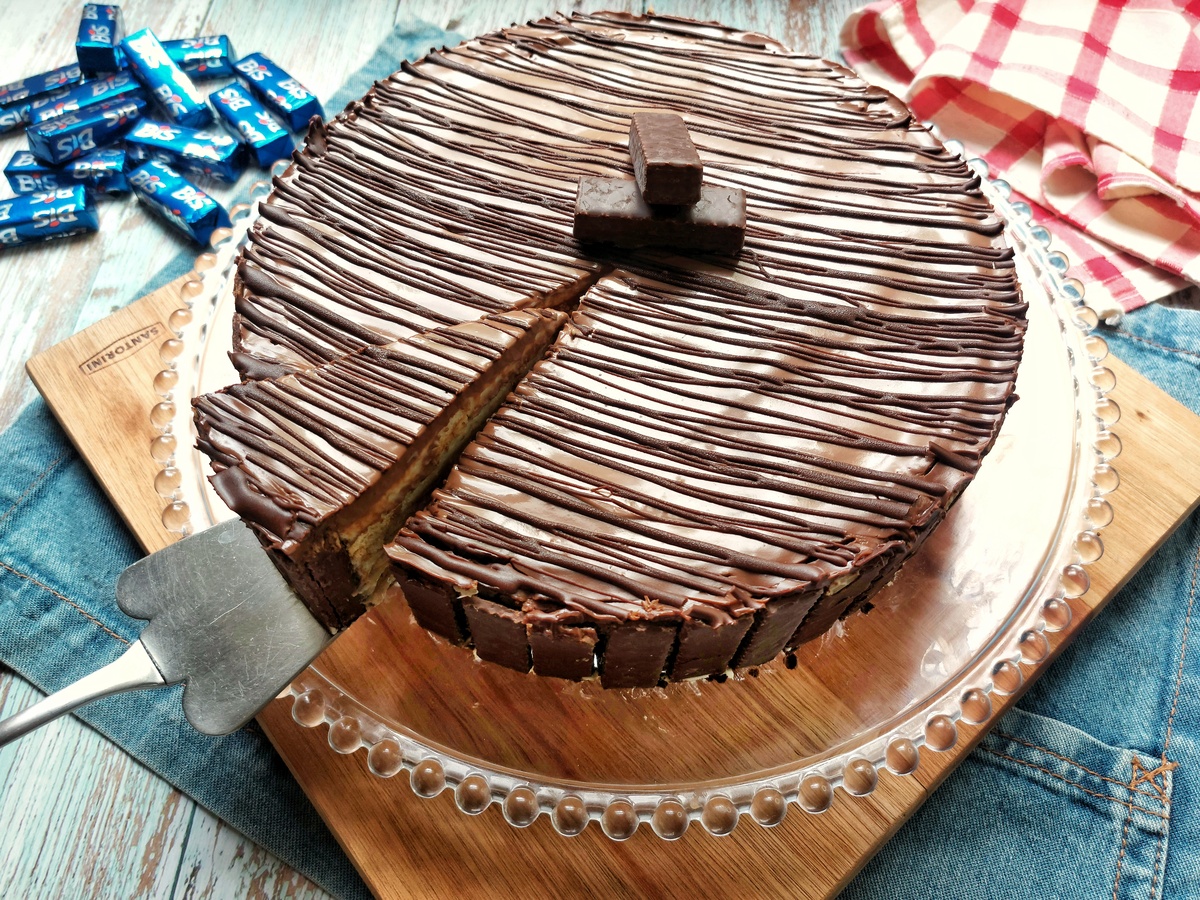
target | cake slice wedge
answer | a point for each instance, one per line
(325, 465)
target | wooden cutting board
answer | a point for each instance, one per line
(99, 384)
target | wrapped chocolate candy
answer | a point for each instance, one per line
(103, 172)
(27, 174)
(18, 94)
(165, 81)
(36, 85)
(279, 90)
(78, 133)
(48, 215)
(205, 57)
(113, 87)
(171, 196)
(98, 44)
(211, 153)
(55, 102)
(10, 118)
(265, 138)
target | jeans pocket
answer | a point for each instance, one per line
(1104, 811)
(1039, 810)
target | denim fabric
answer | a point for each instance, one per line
(61, 549)
(1091, 787)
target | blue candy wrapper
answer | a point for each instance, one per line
(113, 87)
(165, 81)
(99, 39)
(203, 57)
(279, 90)
(44, 216)
(36, 85)
(103, 172)
(15, 96)
(265, 138)
(27, 174)
(174, 198)
(78, 133)
(211, 153)
(10, 118)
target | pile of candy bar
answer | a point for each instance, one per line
(666, 203)
(128, 116)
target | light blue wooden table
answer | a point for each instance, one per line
(78, 817)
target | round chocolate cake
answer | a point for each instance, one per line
(700, 460)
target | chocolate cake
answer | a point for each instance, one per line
(721, 454)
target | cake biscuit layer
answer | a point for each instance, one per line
(326, 464)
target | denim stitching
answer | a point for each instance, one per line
(1131, 806)
(1121, 855)
(1166, 765)
(33, 484)
(65, 599)
(1142, 775)
(1067, 759)
(1187, 627)
(1157, 863)
(1166, 347)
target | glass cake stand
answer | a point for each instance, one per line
(965, 620)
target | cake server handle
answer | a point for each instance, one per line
(132, 671)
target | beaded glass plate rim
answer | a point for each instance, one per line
(811, 784)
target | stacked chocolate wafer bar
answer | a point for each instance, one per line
(667, 203)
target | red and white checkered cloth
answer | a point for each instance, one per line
(1088, 108)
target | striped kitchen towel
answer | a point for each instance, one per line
(1088, 108)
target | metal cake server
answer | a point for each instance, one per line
(222, 620)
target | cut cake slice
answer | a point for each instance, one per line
(326, 465)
